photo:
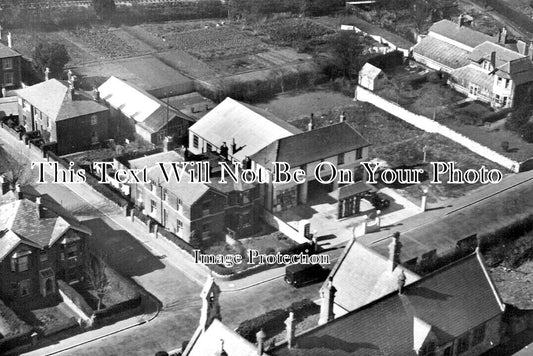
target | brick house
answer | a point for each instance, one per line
(198, 213)
(38, 246)
(137, 114)
(63, 115)
(10, 68)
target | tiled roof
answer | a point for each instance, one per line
(251, 127)
(6, 52)
(52, 97)
(461, 34)
(474, 74)
(209, 342)
(362, 275)
(312, 146)
(442, 52)
(138, 104)
(22, 221)
(452, 300)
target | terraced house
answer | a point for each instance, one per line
(63, 115)
(37, 247)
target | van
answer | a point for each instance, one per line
(298, 275)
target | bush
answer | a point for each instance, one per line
(527, 134)
(272, 322)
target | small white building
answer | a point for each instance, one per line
(371, 77)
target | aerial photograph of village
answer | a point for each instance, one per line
(266, 177)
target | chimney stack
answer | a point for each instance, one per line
(9, 41)
(493, 60)
(96, 94)
(530, 52)
(260, 337)
(460, 20)
(327, 298)
(290, 330)
(342, 118)
(310, 124)
(401, 282)
(69, 75)
(38, 204)
(4, 184)
(46, 73)
(394, 251)
(503, 35)
(521, 46)
(233, 146)
(72, 91)
(18, 192)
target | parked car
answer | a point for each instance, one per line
(299, 275)
(376, 201)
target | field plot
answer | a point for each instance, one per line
(105, 42)
(25, 40)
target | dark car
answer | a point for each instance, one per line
(301, 274)
(376, 201)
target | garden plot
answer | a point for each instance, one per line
(105, 42)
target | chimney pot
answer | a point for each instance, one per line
(18, 192)
(401, 282)
(9, 40)
(327, 301)
(46, 73)
(460, 20)
(503, 36)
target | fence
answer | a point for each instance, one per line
(429, 125)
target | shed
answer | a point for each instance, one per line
(371, 77)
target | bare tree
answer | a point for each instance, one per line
(95, 270)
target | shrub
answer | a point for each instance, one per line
(272, 322)
(527, 134)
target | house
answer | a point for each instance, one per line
(212, 337)
(339, 145)
(198, 213)
(10, 70)
(455, 310)
(38, 246)
(495, 74)
(361, 276)
(371, 77)
(136, 113)
(64, 115)
(448, 45)
(247, 129)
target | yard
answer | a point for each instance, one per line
(424, 93)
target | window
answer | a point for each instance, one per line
(245, 196)
(195, 141)
(499, 82)
(473, 89)
(463, 344)
(72, 251)
(504, 101)
(165, 195)
(205, 207)
(43, 256)
(8, 78)
(179, 204)
(94, 120)
(340, 158)
(428, 349)
(7, 63)
(507, 81)
(24, 287)
(152, 206)
(21, 263)
(209, 148)
(479, 335)
(497, 98)
(359, 153)
(448, 351)
(179, 224)
(165, 217)
(14, 289)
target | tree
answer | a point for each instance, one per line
(104, 9)
(348, 50)
(95, 270)
(51, 55)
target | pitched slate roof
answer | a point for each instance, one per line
(6, 52)
(474, 74)
(144, 108)
(452, 301)
(461, 34)
(362, 276)
(442, 52)
(23, 221)
(209, 342)
(52, 97)
(251, 127)
(311, 146)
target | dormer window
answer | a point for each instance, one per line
(20, 261)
